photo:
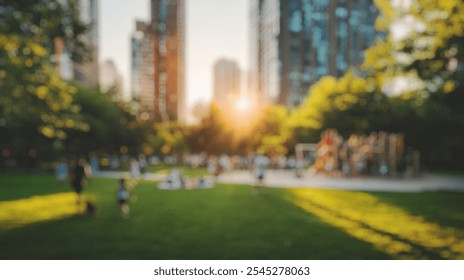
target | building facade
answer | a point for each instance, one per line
(86, 72)
(227, 81)
(142, 69)
(296, 42)
(157, 62)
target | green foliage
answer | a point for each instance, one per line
(224, 130)
(432, 52)
(349, 104)
(212, 134)
(270, 133)
(425, 39)
(165, 138)
(45, 21)
(110, 126)
(32, 94)
(31, 90)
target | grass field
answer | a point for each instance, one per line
(164, 169)
(38, 220)
(187, 171)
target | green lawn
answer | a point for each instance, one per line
(164, 169)
(187, 171)
(226, 222)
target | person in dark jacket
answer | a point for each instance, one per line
(77, 180)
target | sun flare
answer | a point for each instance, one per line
(243, 104)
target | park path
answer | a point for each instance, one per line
(280, 178)
(285, 179)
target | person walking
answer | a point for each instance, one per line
(77, 181)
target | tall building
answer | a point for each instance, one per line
(86, 72)
(142, 69)
(158, 60)
(296, 42)
(167, 22)
(227, 83)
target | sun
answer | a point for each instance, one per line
(243, 104)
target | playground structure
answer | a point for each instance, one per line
(376, 154)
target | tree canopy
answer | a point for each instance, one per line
(31, 90)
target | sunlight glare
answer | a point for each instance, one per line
(387, 227)
(22, 212)
(243, 104)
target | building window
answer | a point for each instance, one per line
(295, 22)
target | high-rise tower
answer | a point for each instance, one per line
(142, 70)
(227, 77)
(167, 26)
(157, 67)
(296, 42)
(87, 71)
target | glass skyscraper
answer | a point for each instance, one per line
(296, 42)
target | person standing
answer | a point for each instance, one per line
(77, 180)
(260, 165)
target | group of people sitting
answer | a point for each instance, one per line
(175, 181)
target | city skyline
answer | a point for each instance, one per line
(229, 32)
(341, 46)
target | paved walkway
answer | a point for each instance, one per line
(280, 178)
(284, 178)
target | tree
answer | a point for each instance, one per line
(110, 126)
(165, 138)
(212, 134)
(421, 61)
(270, 131)
(33, 95)
(424, 44)
(45, 22)
(350, 104)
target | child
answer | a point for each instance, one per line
(123, 196)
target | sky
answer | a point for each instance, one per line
(214, 29)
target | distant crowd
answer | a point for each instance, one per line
(377, 154)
